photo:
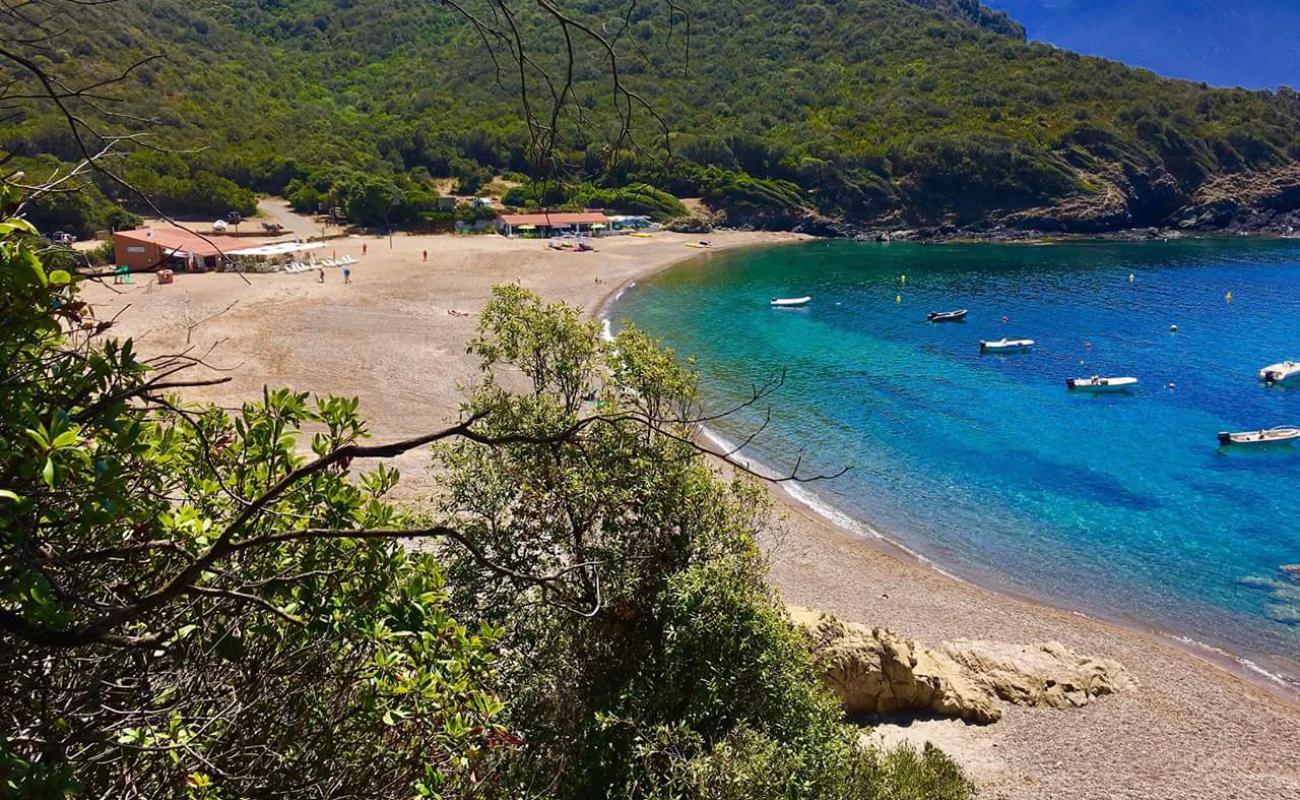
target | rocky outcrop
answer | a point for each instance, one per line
(693, 223)
(1242, 198)
(1047, 674)
(879, 672)
(876, 671)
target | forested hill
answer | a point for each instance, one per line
(866, 113)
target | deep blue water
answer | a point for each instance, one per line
(1122, 506)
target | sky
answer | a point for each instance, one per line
(1250, 43)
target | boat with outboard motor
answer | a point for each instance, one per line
(1007, 346)
(1284, 434)
(1286, 373)
(1099, 385)
(946, 316)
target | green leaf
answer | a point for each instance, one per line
(47, 474)
(60, 277)
(8, 495)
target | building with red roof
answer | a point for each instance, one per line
(174, 248)
(547, 223)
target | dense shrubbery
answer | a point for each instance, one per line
(868, 108)
(632, 198)
(210, 604)
(81, 212)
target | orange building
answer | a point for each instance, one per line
(173, 248)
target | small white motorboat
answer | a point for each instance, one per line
(790, 302)
(1007, 346)
(1099, 385)
(946, 316)
(1284, 434)
(1285, 374)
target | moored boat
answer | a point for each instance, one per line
(1284, 434)
(790, 302)
(1006, 346)
(1098, 385)
(1286, 373)
(946, 316)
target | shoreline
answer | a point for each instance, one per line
(1285, 688)
(397, 338)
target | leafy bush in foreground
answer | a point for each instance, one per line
(179, 617)
(202, 603)
(657, 662)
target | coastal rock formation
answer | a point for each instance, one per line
(879, 672)
(1049, 673)
(876, 671)
(693, 223)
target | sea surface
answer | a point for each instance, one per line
(1120, 506)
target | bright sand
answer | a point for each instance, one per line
(1195, 728)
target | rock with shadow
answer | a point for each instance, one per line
(877, 672)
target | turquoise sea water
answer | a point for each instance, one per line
(1122, 506)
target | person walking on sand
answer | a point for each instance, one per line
(364, 248)
(424, 255)
(320, 275)
(347, 275)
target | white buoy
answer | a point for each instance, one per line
(1173, 329)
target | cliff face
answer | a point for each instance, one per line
(1250, 201)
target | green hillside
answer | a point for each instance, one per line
(870, 112)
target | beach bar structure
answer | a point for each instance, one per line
(182, 251)
(546, 224)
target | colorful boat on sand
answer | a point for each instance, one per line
(1007, 346)
(1099, 385)
(1284, 434)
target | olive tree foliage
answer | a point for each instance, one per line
(202, 603)
(656, 662)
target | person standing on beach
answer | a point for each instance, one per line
(424, 255)
(347, 275)
(364, 248)
(320, 275)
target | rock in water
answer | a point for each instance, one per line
(1291, 570)
(879, 672)
(1048, 673)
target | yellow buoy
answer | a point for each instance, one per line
(903, 278)
(1228, 297)
(898, 298)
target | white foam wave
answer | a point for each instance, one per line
(806, 496)
(1196, 644)
(809, 498)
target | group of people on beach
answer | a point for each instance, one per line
(347, 275)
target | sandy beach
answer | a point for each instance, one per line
(1193, 728)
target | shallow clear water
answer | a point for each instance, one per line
(1123, 505)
